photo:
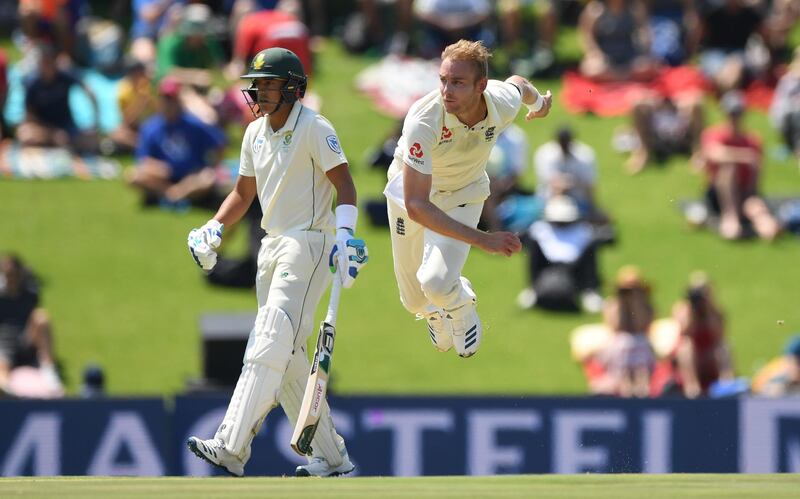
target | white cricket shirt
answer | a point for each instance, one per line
(436, 143)
(289, 166)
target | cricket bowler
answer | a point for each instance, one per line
(437, 186)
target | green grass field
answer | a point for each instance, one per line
(123, 291)
(507, 487)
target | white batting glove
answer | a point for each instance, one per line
(347, 257)
(202, 243)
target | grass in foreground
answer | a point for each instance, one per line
(590, 486)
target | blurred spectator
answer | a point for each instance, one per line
(616, 41)
(51, 21)
(675, 28)
(665, 126)
(176, 153)
(447, 21)
(25, 332)
(785, 108)
(702, 355)
(781, 376)
(48, 118)
(149, 20)
(513, 20)
(264, 29)
(730, 50)
(628, 359)
(567, 166)
(732, 159)
(190, 47)
(562, 261)
(779, 23)
(507, 161)
(366, 29)
(137, 102)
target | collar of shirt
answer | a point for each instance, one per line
(291, 120)
(452, 122)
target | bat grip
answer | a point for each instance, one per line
(333, 303)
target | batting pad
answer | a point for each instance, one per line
(325, 442)
(265, 360)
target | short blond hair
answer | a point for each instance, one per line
(473, 52)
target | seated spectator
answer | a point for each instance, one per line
(785, 108)
(447, 21)
(367, 28)
(732, 158)
(25, 331)
(665, 127)
(507, 161)
(562, 261)
(137, 102)
(48, 118)
(567, 166)
(264, 29)
(781, 376)
(176, 153)
(190, 51)
(51, 21)
(529, 56)
(702, 356)
(727, 27)
(675, 28)
(150, 17)
(615, 38)
(628, 360)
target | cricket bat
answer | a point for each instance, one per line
(317, 385)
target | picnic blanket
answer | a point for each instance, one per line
(394, 83)
(582, 95)
(48, 163)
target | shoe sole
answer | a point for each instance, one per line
(300, 472)
(197, 452)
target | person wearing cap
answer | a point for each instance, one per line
(567, 166)
(629, 359)
(702, 355)
(732, 159)
(176, 153)
(562, 260)
(190, 48)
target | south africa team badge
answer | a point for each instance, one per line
(287, 139)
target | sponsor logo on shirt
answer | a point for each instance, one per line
(447, 136)
(415, 153)
(259, 144)
(333, 143)
(490, 133)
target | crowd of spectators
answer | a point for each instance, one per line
(187, 55)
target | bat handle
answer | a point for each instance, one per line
(333, 303)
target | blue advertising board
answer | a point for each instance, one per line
(410, 436)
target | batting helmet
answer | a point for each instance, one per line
(278, 63)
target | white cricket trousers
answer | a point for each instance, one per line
(428, 265)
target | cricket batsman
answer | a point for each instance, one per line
(292, 160)
(437, 186)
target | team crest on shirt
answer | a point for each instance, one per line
(490, 133)
(287, 139)
(333, 143)
(447, 136)
(259, 144)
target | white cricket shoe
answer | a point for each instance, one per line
(213, 450)
(318, 466)
(465, 324)
(439, 331)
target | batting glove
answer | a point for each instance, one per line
(202, 243)
(347, 257)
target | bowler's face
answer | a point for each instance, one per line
(459, 85)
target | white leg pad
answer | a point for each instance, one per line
(326, 440)
(266, 357)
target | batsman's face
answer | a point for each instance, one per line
(460, 86)
(269, 94)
